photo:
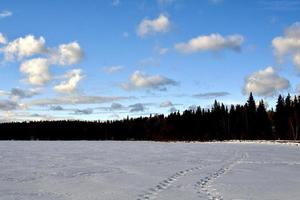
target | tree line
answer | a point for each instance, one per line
(220, 122)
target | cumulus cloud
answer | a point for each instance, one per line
(158, 25)
(166, 104)
(3, 39)
(24, 47)
(138, 107)
(212, 42)
(86, 111)
(113, 69)
(66, 54)
(211, 95)
(289, 44)
(140, 80)
(5, 13)
(37, 70)
(265, 82)
(70, 85)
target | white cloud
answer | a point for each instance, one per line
(37, 70)
(24, 47)
(265, 82)
(212, 42)
(289, 44)
(158, 25)
(66, 54)
(73, 76)
(141, 80)
(113, 69)
(2, 39)
(5, 13)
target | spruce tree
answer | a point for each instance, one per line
(251, 117)
(264, 125)
(279, 118)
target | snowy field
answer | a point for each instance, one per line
(107, 170)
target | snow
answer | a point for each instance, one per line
(86, 170)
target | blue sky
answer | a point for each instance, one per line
(114, 58)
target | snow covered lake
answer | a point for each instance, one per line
(112, 170)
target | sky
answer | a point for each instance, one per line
(109, 59)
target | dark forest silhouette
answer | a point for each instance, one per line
(236, 122)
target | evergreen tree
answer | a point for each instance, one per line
(264, 125)
(251, 117)
(218, 123)
(279, 119)
(251, 106)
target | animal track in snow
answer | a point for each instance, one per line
(153, 192)
(204, 186)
